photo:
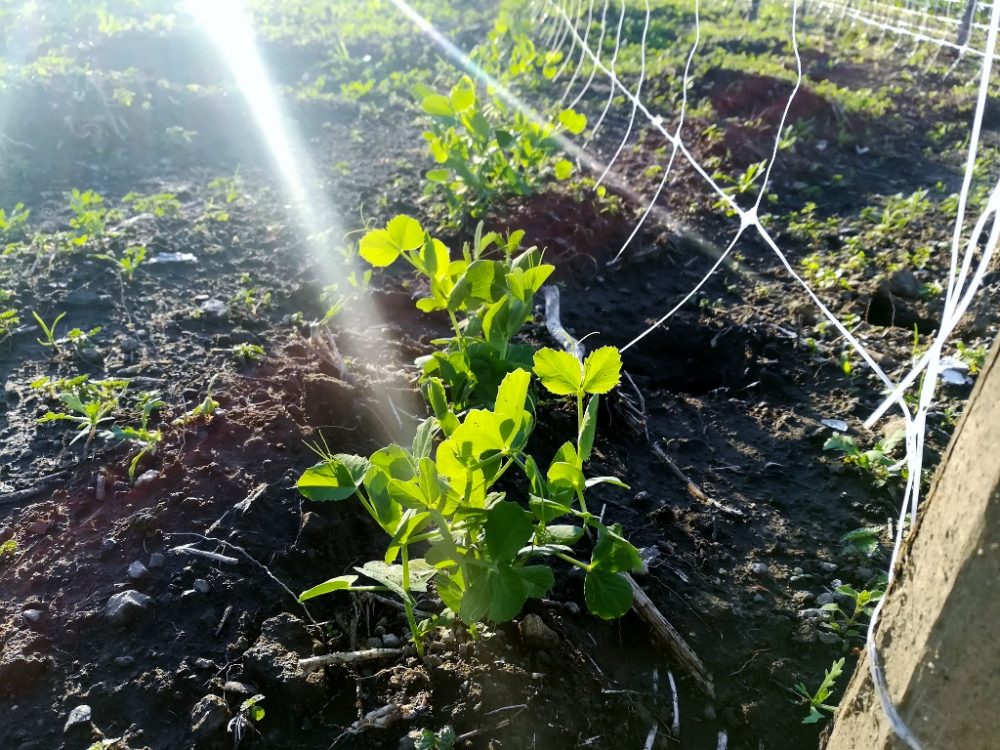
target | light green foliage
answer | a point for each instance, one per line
(444, 739)
(486, 554)
(88, 404)
(158, 204)
(8, 549)
(203, 410)
(817, 701)
(9, 319)
(132, 257)
(862, 542)
(49, 331)
(876, 462)
(251, 299)
(246, 352)
(487, 301)
(485, 150)
(249, 713)
(974, 357)
(143, 437)
(90, 216)
(740, 185)
(863, 603)
(13, 225)
(223, 192)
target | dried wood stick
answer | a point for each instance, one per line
(347, 657)
(693, 489)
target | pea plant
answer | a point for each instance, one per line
(438, 499)
(487, 302)
(485, 150)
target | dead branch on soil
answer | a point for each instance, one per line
(693, 489)
(313, 663)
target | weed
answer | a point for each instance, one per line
(146, 439)
(250, 712)
(88, 405)
(863, 603)
(974, 357)
(817, 701)
(245, 352)
(132, 257)
(13, 226)
(8, 549)
(862, 542)
(251, 298)
(90, 216)
(443, 739)
(224, 191)
(876, 462)
(157, 204)
(49, 331)
(204, 409)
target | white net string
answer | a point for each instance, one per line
(932, 23)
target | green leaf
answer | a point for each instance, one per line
(439, 175)
(563, 169)
(613, 552)
(337, 479)
(573, 121)
(378, 248)
(537, 580)
(463, 94)
(508, 528)
(340, 583)
(588, 428)
(559, 371)
(564, 534)
(423, 439)
(608, 595)
(562, 474)
(844, 444)
(508, 595)
(405, 232)
(512, 394)
(437, 105)
(391, 576)
(546, 510)
(602, 370)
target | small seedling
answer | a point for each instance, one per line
(89, 405)
(148, 440)
(49, 331)
(251, 298)
(862, 542)
(428, 739)
(250, 712)
(876, 462)
(8, 549)
(205, 408)
(864, 602)
(245, 352)
(817, 701)
(132, 257)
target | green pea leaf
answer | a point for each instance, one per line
(437, 105)
(608, 595)
(381, 247)
(613, 552)
(559, 371)
(508, 528)
(588, 428)
(602, 370)
(573, 121)
(563, 169)
(340, 583)
(463, 94)
(337, 479)
(537, 580)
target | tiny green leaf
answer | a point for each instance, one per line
(563, 169)
(340, 583)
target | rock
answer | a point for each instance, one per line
(824, 599)
(129, 345)
(209, 717)
(32, 615)
(801, 598)
(759, 568)
(6, 532)
(147, 477)
(215, 308)
(390, 641)
(202, 663)
(88, 298)
(124, 661)
(273, 663)
(137, 570)
(827, 567)
(825, 636)
(201, 586)
(759, 598)
(124, 607)
(108, 545)
(536, 634)
(811, 613)
(156, 560)
(905, 284)
(41, 526)
(865, 573)
(78, 717)
(240, 688)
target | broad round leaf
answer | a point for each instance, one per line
(563, 169)
(405, 232)
(559, 372)
(508, 528)
(437, 105)
(378, 248)
(573, 121)
(602, 370)
(608, 595)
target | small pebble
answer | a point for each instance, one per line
(759, 568)
(811, 613)
(759, 598)
(156, 560)
(124, 661)
(390, 641)
(79, 715)
(203, 663)
(137, 570)
(32, 615)
(146, 477)
(827, 567)
(202, 586)
(374, 642)
(824, 599)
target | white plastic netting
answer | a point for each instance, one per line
(581, 32)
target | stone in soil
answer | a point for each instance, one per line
(208, 717)
(78, 717)
(137, 570)
(273, 662)
(124, 607)
(536, 634)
